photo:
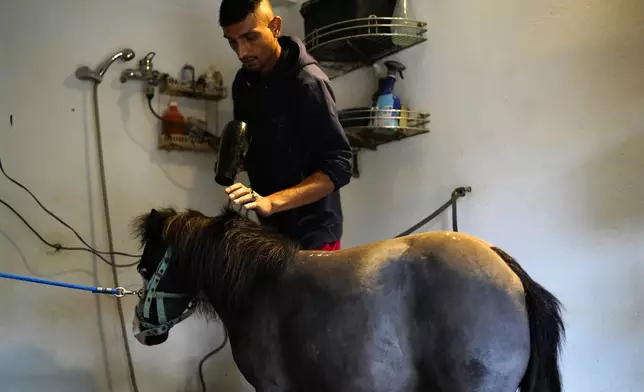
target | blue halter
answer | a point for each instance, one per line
(152, 293)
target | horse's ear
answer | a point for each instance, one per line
(148, 226)
(154, 223)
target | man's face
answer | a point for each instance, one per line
(253, 40)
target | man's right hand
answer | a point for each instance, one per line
(242, 195)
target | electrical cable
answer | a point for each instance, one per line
(58, 246)
(210, 354)
(57, 218)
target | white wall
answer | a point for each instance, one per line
(537, 107)
(58, 339)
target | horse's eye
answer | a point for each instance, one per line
(142, 271)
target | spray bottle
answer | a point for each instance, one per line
(388, 103)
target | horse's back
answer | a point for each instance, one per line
(434, 310)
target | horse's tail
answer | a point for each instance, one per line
(546, 333)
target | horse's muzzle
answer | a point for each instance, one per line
(153, 340)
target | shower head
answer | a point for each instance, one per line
(86, 73)
(124, 55)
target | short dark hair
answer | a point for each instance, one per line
(235, 11)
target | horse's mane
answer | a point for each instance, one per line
(227, 255)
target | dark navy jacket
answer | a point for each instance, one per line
(294, 131)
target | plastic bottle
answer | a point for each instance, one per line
(388, 104)
(402, 10)
(172, 116)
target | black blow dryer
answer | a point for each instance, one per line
(232, 148)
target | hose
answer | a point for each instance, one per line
(108, 224)
(456, 194)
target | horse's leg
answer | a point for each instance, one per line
(481, 373)
(485, 357)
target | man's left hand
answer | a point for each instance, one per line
(246, 197)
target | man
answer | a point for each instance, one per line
(299, 156)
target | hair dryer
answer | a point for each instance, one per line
(232, 148)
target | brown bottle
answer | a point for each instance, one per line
(173, 120)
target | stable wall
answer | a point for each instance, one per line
(536, 106)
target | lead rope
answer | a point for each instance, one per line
(117, 292)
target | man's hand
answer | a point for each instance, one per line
(310, 190)
(242, 195)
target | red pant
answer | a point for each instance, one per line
(330, 246)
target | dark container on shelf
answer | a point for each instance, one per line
(319, 14)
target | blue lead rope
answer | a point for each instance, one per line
(118, 292)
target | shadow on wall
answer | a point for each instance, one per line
(615, 186)
(30, 369)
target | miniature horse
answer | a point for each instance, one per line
(438, 311)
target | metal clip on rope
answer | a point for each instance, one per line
(118, 292)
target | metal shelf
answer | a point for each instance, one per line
(369, 128)
(185, 143)
(351, 44)
(177, 90)
(195, 137)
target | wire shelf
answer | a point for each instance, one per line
(185, 143)
(179, 90)
(370, 127)
(348, 45)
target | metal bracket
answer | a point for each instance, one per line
(462, 191)
(356, 171)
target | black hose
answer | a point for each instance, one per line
(456, 194)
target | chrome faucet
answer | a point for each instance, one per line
(144, 72)
(96, 75)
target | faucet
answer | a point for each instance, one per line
(144, 71)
